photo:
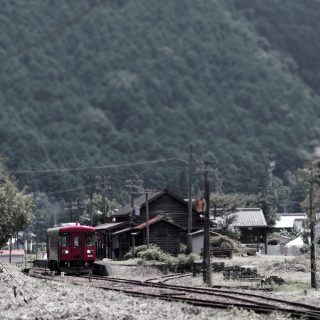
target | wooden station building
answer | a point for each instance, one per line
(168, 222)
(168, 219)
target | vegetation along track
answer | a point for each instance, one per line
(204, 297)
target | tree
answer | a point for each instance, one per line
(224, 207)
(15, 208)
(98, 204)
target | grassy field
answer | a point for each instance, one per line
(41, 299)
(294, 270)
(26, 298)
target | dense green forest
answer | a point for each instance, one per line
(136, 81)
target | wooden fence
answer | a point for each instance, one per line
(278, 250)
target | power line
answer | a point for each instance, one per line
(53, 32)
(96, 168)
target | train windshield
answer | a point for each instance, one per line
(65, 239)
(90, 239)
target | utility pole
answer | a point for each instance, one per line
(206, 239)
(268, 184)
(133, 185)
(37, 236)
(147, 219)
(91, 208)
(312, 180)
(266, 191)
(104, 188)
(190, 201)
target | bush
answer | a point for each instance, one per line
(183, 261)
(142, 248)
(305, 248)
(139, 249)
(225, 242)
(183, 248)
(153, 253)
(193, 257)
(128, 255)
(169, 260)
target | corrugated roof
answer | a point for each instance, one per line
(143, 225)
(287, 220)
(140, 201)
(249, 217)
(155, 220)
(151, 221)
(122, 231)
(195, 233)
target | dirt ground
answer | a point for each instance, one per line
(23, 297)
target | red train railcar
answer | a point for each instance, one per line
(71, 248)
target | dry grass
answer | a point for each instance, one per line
(48, 300)
(296, 287)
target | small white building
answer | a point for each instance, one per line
(197, 238)
(288, 221)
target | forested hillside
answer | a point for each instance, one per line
(140, 80)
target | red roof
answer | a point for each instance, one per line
(153, 221)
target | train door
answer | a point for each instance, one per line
(76, 245)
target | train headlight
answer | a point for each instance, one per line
(65, 251)
(89, 251)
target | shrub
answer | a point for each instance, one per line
(193, 257)
(182, 260)
(139, 249)
(305, 248)
(225, 242)
(183, 248)
(143, 248)
(150, 254)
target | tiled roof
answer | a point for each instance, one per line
(249, 217)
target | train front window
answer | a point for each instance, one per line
(76, 242)
(65, 239)
(90, 239)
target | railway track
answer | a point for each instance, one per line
(168, 277)
(198, 296)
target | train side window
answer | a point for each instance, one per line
(76, 242)
(90, 239)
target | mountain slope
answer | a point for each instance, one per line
(140, 80)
